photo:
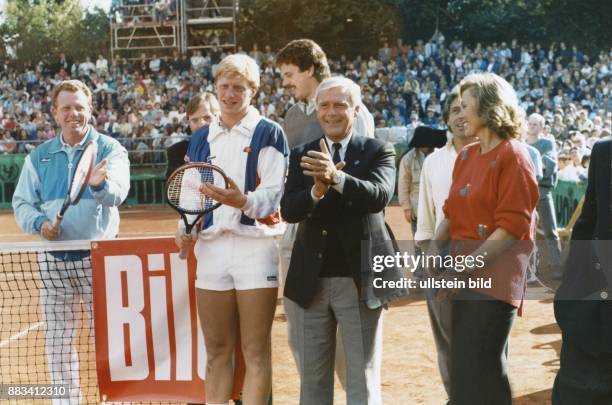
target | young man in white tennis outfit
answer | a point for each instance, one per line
(40, 192)
(237, 271)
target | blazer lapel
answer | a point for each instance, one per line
(352, 156)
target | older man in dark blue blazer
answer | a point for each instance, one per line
(337, 189)
(583, 305)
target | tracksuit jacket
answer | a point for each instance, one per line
(45, 179)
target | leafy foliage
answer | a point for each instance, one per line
(47, 27)
(585, 23)
(341, 27)
(44, 28)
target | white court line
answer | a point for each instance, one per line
(20, 334)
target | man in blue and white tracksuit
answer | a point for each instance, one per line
(42, 187)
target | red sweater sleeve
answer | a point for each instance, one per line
(518, 194)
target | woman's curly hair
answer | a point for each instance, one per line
(497, 103)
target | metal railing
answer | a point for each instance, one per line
(131, 15)
(142, 151)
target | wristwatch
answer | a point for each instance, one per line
(337, 177)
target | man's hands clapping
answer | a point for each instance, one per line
(320, 166)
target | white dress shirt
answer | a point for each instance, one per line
(436, 179)
(339, 187)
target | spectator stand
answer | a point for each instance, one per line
(163, 27)
(145, 27)
(208, 24)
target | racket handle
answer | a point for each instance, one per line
(185, 250)
(58, 221)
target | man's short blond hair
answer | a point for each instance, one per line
(71, 86)
(239, 65)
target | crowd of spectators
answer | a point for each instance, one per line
(143, 102)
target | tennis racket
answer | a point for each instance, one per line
(80, 178)
(183, 193)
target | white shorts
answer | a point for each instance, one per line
(232, 262)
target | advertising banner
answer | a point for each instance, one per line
(149, 344)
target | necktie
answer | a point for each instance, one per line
(336, 157)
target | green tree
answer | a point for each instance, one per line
(420, 18)
(45, 28)
(499, 20)
(341, 27)
(93, 36)
(585, 23)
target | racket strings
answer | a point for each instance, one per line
(81, 172)
(184, 189)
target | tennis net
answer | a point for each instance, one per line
(46, 324)
(46, 332)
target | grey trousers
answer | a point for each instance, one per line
(312, 338)
(440, 315)
(548, 223)
(286, 247)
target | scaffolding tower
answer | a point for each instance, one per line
(209, 24)
(167, 26)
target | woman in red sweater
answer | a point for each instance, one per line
(493, 196)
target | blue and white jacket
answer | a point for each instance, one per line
(254, 154)
(44, 181)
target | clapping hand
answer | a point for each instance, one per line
(99, 174)
(319, 164)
